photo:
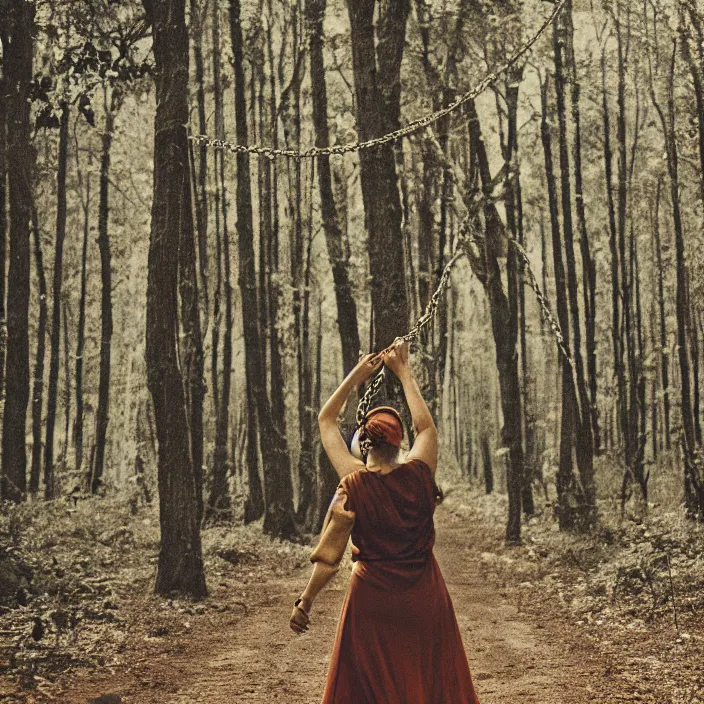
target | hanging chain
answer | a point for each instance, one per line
(544, 307)
(409, 129)
(413, 334)
(464, 235)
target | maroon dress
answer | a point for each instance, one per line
(397, 641)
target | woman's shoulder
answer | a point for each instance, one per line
(352, 479)
(419, 464)
(428, 477)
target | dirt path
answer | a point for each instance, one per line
(257, 658)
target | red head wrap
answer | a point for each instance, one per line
(382, 424)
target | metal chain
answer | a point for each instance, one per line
(409, 129)
(552, 322)
(544, 308)
(431, 309)
(412, 335)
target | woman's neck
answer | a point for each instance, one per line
(381, 465)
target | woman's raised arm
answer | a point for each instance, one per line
(340, 457)
(425, 447)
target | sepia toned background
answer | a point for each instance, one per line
(174, 311)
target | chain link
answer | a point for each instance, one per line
(409, 129)
(413, 334)
(552, 322)
(464, 235)
(542, 302)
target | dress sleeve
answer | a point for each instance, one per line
(349, 484)
(434, 492)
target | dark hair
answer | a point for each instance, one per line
(385, 449)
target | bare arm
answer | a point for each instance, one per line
(340, 457)
(425, 445)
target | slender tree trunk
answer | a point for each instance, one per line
(629, 401)
(503, 309)
(616, 335)
(346, 307)
(638, 388)
(487, 466)
(67, 390)
(569, 495)
(307, 464)
(180, 566)
(191, 348)
(3, 238)
(655, 433)
(663, 352)
(693, 336)
(16, 35)
(53, 391)
(276, 378)
(584, 441)
(106, 325)
(38, 387)
(278, 519)
(219, 501)
(588, 266)
(201, 200)
(81, 333)
(514, 270)
(693, 484)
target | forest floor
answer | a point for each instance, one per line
(561, 620)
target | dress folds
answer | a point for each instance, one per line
(397, 640)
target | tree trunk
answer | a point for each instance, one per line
(693, 336)
(515, 271)
(67, 390)
(102, 415)
(219, 501)
(503, 309)
(642, 475)
(486, 463)
(3, 240)
(307, 468)
(276, 378)
(278, 519)
(220, 210)
(191, 348)
(616, 334)
(663, 352)
(81, 333)
(346, 306)
(588, 266)
(38, 387)
(569, 495)
(693, 484)
(584, 441)
(17, 67)
(377, 62)
(53, 391)
(180, 566)
(201, 200)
